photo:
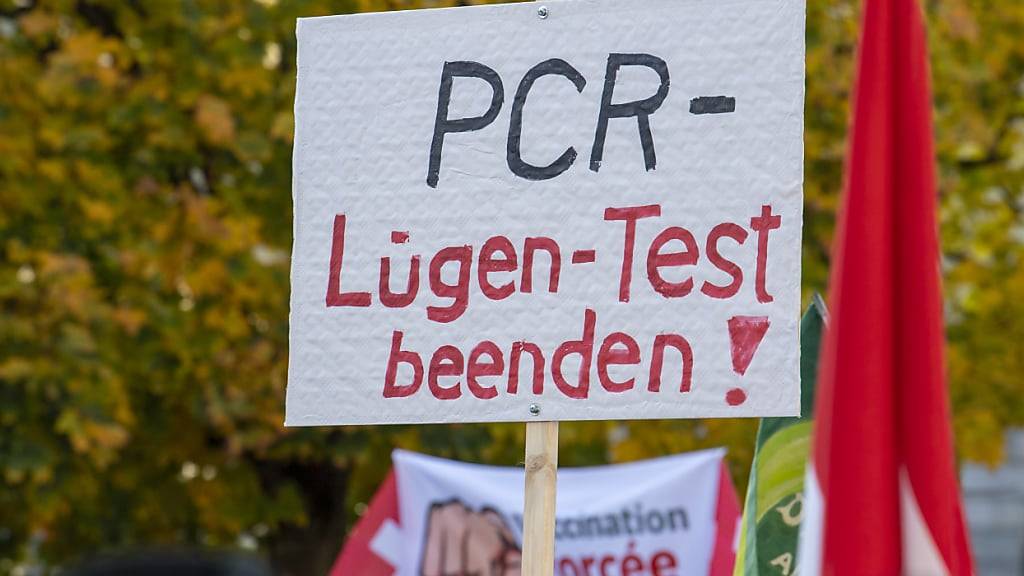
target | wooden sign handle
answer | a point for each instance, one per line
(539, 511)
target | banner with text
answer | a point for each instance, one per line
(575, 210)
(672, 516)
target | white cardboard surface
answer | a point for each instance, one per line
(366, 107)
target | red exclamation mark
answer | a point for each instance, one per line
(745, 335)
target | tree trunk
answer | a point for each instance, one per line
(310, 550)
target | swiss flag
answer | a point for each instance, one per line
(882, 494)
(371, 544)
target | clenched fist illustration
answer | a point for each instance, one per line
(463, 542)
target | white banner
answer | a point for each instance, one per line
(672, 516)
(581, 210)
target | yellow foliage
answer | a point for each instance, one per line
(214, 119)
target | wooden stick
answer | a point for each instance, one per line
(539, 512)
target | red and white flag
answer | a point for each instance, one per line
(882, 494)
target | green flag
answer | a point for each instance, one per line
(774, 502)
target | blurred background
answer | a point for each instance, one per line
(145, 226)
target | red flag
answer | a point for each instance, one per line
(370, 545)
(882, 492)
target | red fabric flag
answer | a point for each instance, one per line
(361, 556)
(882, 492)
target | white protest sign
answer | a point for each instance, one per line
(590, 211)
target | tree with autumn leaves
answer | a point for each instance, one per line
(145, 177)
